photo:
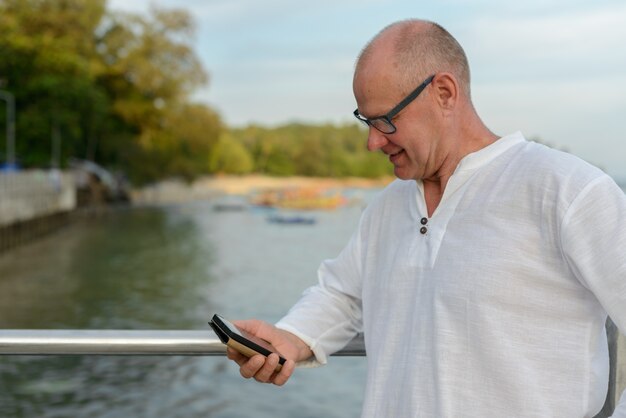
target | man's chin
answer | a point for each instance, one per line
(402, 174)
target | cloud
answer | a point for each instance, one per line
(584, 117)
(225, 13)
(578, 44)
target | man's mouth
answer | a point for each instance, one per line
(394, 157)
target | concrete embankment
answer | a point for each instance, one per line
(33, 203)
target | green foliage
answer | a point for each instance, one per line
(230, 157)
(47, 70)
(115, 87)
(310, 150)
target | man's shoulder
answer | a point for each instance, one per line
(538, 167)
(541, 160)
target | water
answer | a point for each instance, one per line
(168, 268)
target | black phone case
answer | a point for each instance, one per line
(224, 334)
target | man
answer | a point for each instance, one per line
(482, 278)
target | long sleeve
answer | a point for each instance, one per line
(594, 242)
(328, 315)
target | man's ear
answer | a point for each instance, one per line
(446, 89)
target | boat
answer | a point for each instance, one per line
(291, 220)
(300, 199)
(228, 207)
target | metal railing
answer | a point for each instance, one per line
(126, 342)
(204, 343)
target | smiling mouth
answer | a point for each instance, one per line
(393, 157)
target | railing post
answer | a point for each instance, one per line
(617, 372)
(619, 378)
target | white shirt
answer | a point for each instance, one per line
(498, 310)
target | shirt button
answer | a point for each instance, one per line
(423, 230)
(424, 221)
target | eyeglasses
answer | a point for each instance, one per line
(383, 123)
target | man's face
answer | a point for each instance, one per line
(411, 147)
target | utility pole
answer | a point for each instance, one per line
(55, 155)
(10, 99)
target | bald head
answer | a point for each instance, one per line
(418, 49)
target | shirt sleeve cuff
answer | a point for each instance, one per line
(319, 356)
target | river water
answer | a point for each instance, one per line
(168, 268)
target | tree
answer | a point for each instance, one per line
(312, 150)
(180, 147)
(114, 86)
(148, 64)
(150, 69)
(46, 63)
(230, 157)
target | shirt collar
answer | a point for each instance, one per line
(483, 156)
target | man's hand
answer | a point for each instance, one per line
(261, 368)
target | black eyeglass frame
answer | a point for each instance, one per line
(393, 112)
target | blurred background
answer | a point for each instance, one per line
(161, 161)
(554, 70)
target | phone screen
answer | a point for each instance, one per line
(231, 327)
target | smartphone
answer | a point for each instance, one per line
(242, 341)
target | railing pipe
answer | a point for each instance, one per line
(125, 342)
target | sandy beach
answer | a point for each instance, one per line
(172, 191)
(247, 184)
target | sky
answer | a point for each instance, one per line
(554, 70)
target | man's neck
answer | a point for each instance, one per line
(433, 192)
(434, 186)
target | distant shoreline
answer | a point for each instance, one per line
(176, 191)
(250, 183)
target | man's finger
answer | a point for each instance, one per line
(236, 356)
(266, 372)
(252, 366)
(285, 373)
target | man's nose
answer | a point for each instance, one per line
(375, 139)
